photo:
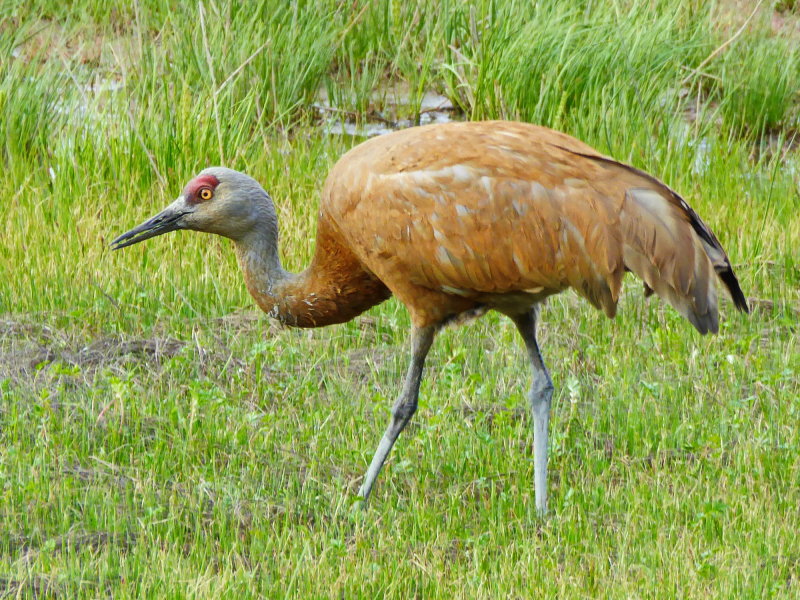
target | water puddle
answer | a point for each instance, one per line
(87, 102)
(397, 111)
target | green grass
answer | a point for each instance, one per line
(159, 438)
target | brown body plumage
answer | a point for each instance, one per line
(459, 218)
(505, 214)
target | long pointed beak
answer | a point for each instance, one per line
(167, 220)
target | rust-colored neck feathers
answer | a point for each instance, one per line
(335, 288)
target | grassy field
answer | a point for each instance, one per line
(161, 438)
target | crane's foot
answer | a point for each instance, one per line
(359, 502)
(357, 510)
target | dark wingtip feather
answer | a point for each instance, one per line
(730, 281)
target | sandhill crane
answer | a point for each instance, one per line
(456, 219)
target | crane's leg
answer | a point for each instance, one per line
(405, 406)
(540, 398)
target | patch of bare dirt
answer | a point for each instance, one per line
(781, 18)
(36, 586)
(106, 473)
(27, 348)
(41, 586)
(363, 362)
(76, 541)
(488, 413)
(768, 305)
(82, 45)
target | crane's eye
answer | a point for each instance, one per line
(205, 193)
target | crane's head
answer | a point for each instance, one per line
(218, 200)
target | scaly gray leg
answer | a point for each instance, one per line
(404, 408)
(540, 398)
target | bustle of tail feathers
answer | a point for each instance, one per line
(672, 258)
(719, 259)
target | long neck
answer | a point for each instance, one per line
(263, 273)
(334, 289)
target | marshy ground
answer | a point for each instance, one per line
(161, 438)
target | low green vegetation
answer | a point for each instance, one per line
(160, 438)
